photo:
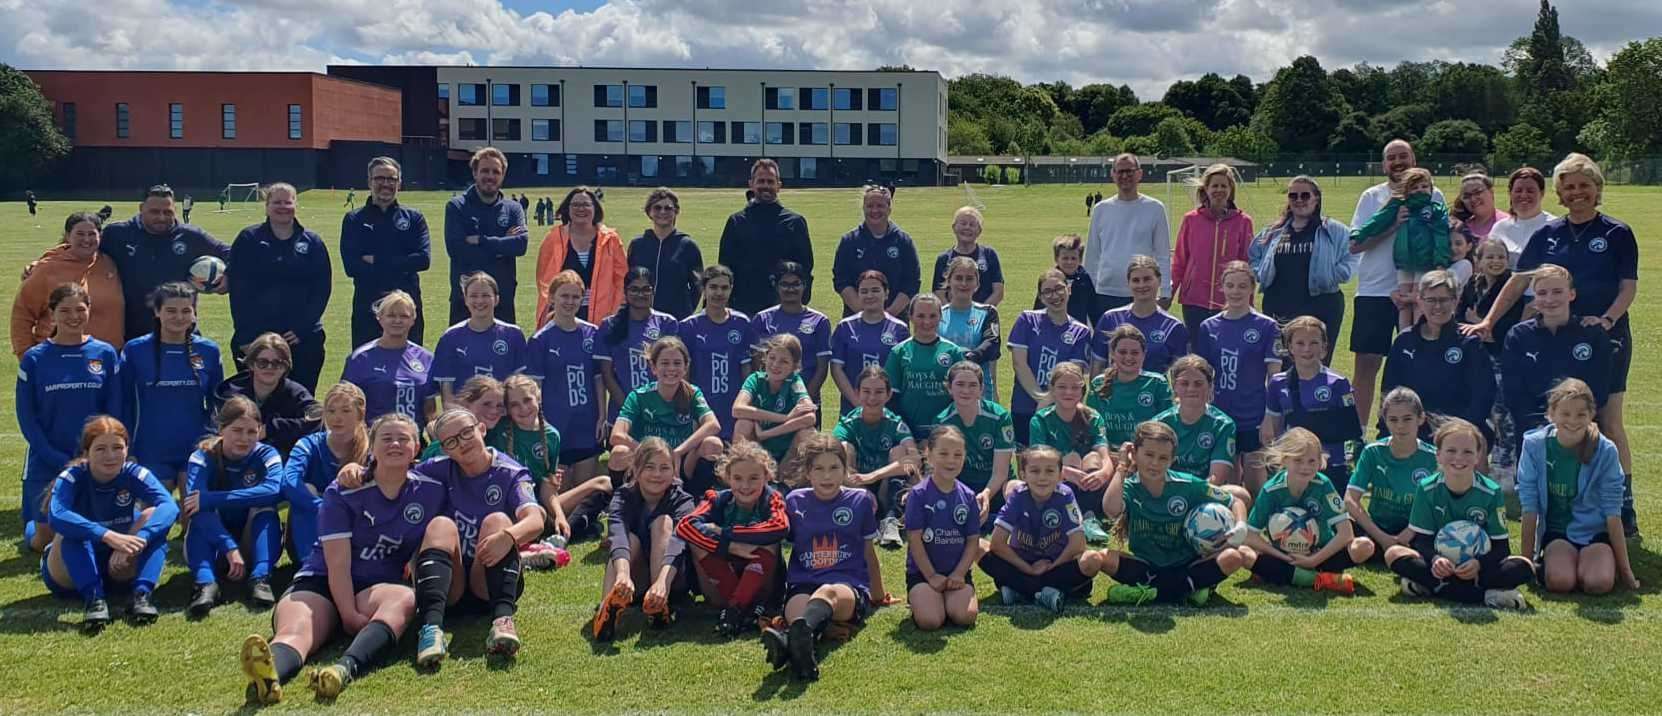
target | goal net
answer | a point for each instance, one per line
(241, 193)
(1180, 186)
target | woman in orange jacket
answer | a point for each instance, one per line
(582, 243)
(1211, 236)
(76, 260)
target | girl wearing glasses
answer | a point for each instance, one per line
(1451, 372)
(809, 326)
(287, 407)
(626, 334)
(1302, 260)
(671, 255)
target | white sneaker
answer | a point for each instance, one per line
(889, 533)
(1504, 599)
(1413, 588)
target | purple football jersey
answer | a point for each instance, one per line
(1327, 391)
(856, 344)
(462, 353)
(828, 539)
(564, 361)
(810, 327)
(628, 357)
(948, 520)
(392, 380)
(505, 487)
(1168, 337)
(1240, 350)
(1048, 345)
(719, 353)
(384, 533)
(1040, 531)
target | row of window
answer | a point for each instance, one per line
(680, 167)
(175, 121)
(681, 132)
(882, 99)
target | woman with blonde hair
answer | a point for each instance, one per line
(281, 285)
(394, 372)
(1213, 234)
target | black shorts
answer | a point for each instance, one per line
(1621, 355)
(319, 584)
(1550, 537)
(1024, 428)
(1373, 325)
(577, 455)
(913, 579)
(1246, 440)
(862, 598)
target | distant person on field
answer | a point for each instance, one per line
(29, 198)
(1089, 202)
(284, 287)
(1127, 224)
(185, 207)
(104, 213)
(1213, 234)
(524, 203)
(224, 196)
(760, 236)
(75, 260)
(154, 248)
(485, 231)
(966, 229)
(384, 247)
(672, 255)
(877, 244)
(584, 244)
(351, 197)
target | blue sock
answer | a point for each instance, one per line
(265, 542)
(29, 532)
(201, 549)
(82, 561)
(150, 562)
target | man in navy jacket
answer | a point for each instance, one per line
(153, 248)
(485, 231)
(383, 247)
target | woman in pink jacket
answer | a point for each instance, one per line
(1212, 235)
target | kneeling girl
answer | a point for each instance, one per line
(943, 534)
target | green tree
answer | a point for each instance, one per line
(1212, 100)
(1247, 90)
(966, 136)
(1300, 107)
(1480, 93)
(1454, 136)
(1171, 137)
(1140, 120)
(1412, 82)
(1366, 88)
(1404, 122)
(1095, 103)
(1552, 97)
(1142, 146)
(1103, 144)
(29, 138)
(1630, 102)
(1519, 146)
(1352, 136)
(1243, 143)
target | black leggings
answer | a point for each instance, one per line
(1172, 582)
(1064, 576)
(1275, 571)
(1508, 573)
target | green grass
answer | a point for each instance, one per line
(1253, 649)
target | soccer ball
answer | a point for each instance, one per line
(1293, 531)
(1207, 527)
(1461, 541)
(205, 271)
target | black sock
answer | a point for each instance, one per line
(366, 648)
(1273, 570)
(1414, 569)
(818, 614)
(587, 514)
(1204, 574)
(618, 478)
(287, 661)
(502, 585)
(434, 573)
(1172, 583)
(1511, 573)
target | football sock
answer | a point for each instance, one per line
(366, 647)
(755, 579)
(817, 615)
(718, 568)
(503, 584)
(433, 573)
(287, 661)
(1303, 577)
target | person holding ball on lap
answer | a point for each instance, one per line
(1301, 485)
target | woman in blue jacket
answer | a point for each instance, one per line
(1554, 345)
(1570, 481)
(1451, 371)
(168, 379)
(230, 503)
(1302, 260)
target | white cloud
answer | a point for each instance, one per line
(1146, 43)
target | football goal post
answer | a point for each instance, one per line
(1180, 184)
(240, 193)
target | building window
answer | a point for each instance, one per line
(545, 130)
(781, 98)
(69, 120)
(714, 97)
(542, 164)
(545, 95)
(847, 133)
(608, 95)
(707, 166)
(808, 168)
(470, 95)
(816, 98)
(505, 130)
(505, 95)
(747, 132)
(571, 165)
(649, 165)
(444, 92)
(882, 99)
(677, 131)
(787, 167)
(294, 121)
(712, 132)
(811, 132)
(470, 129)
(683, 167)
(122, 126)
(643, 130)
(608, 130)
(228, 121)
(846, 98)
(781, 133)
(643, 96)
(881, 134)
(175, 121)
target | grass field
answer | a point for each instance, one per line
(1253, 649)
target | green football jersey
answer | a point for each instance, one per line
(1563, 482)
(1155, 527)
(539, 452)
(1391, 484)
(991, 433)
(764, 397)
(872, 443)
(1319, 499)
(650, 416)
(1435, 506)
(1131, 403)
(917, 372)
(1210, 440)
(1048, 428)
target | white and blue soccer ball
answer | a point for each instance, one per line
(1207, 527)
(205, 271)
(1462, 541)
(1292, 530)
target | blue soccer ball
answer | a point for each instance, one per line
(1462, 541)
(1207, 527)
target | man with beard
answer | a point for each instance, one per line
(485, 231)
(154, 248)
(761, 235)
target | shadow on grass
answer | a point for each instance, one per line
(783, 684)
(43, 612)
(918, 641)
(1303, 597)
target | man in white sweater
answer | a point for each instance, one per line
(1125, 225)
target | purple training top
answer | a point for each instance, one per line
(384, 533)
(1048, 345)
(948, 520)
(1327, 391)
(1168, 337)
(810, 326)
(828, 539)
(462, 353)
(719, 353)
(1040, 531)
(504, 487)
(564, 361)
(856, 344)
(628, 357)
(392, 380)
(1240, 350)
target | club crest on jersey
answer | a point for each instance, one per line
(196, 361)
(735, 337)
(539, 451)
(1206, 441)
(402, 223)
(842, 516)
(683, 419)
(1070, 338)
(944, 359)
(928, 534)
(413, 513)
(986, 442)
(493, 495)
(894, 252)
(251, 478)
(1145, 399)
(123, 498)
(1334, 503)
(415, 367)
(1582, 351)
(588, 345)
(981, 264)
(887, 338)
(1453, 355)
(651, 333)
(805, 328)
(1313, 506)
(1009, 434)
(1251, 335)
(1177, 506)
(1478, 515)
(885, 442)
(179, 248)
(1598, 245)
(1160, 337)
(1421, 474)
(960, 514)
(500, 346)
(302, 248)
(1051, 519)
(1324, 394)
(95, 366)
(502, 220)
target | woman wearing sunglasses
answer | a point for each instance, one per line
(1302, 259)
(286, 407)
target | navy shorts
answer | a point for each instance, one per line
(1373, 325)
(1550, 537)
(577, 455)
(1246, 440)
(1621, 355)
(862, 598)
